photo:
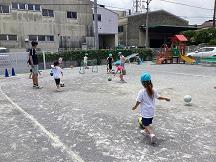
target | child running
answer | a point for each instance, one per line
(109, 63)
(146, 99)
(57, 73)
(119, 69)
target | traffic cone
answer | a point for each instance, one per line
(6, 73)
(13, 72)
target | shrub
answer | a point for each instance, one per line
(99, 55)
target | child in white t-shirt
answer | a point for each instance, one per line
(146, 99)
(85, 61)
(57, 74)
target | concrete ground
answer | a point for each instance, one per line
(91, 119)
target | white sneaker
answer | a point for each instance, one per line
(58, 90)
(144, 132)
(153, 138)
(37, 87)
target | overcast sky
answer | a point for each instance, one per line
(193, 15)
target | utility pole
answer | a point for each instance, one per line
(214, 14)
(147, 24)
(136, 6)
(96, 25)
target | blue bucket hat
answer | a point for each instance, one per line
(117, 62)
(145, 77)
(110, 55)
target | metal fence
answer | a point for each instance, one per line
(16, 60)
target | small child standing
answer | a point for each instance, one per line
(109, 63)
(85, 61)
(57, 73)
(146, 99)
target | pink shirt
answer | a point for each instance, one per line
(119, 68)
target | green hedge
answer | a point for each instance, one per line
(196, 37)
(145, 54)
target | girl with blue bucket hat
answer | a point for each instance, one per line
(146, 99)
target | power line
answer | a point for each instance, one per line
(183, 4)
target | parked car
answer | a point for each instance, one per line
(203, 52)
(3, 50)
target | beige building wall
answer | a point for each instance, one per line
(67, 32)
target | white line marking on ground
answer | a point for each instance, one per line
(56, 142)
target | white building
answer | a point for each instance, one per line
(107, 28)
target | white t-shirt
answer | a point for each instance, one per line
(147, 104)
(122, 59)
(57, 72)
(85, 59)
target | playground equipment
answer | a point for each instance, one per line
(136, 56)
(128, 58)
(174, 54)
(209, 60)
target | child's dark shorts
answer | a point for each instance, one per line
(110, 66)
(147, 121)
(57, 81)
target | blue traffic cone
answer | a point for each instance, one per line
(13, 72)
(6, 73)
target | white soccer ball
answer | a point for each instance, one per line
(109, 78)
(62, 84)
(187, 98)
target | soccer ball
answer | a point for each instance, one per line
(187, 98)
(109, 79)
(62, 84)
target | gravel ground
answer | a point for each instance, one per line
(91, 119)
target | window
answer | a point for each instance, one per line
(71, 15)
(120, 29)
(50, 13)
(21, 6)
(46, 12)
(15, 6)
(209, 49)
(99, 17)
(37, 7)
(50, 38)
(41, 38)
(32, 37)
(7, 37)
(3, 37)
(31, 7)
(12, 37)
(4, 9)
